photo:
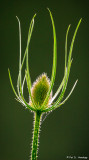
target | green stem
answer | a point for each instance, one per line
(36, 135)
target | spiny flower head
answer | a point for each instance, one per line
(40, 92)
(40, 89)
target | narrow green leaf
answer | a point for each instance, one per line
(58, 91)
(12, 84)
(72, 43)
(23, 82)
(29, 38)
(28, 86)
(28, 78)
(54, 61)
(19, 81)
(68, 94)
(66, 47)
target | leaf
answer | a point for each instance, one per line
(54, 61)
(12, 84)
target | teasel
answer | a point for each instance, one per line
(41, 98)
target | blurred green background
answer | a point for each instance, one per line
(65, 132)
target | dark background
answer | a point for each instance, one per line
(65, 132)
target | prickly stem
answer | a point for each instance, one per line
(36, 135)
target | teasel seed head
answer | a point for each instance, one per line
(39, 90)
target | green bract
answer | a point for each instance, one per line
(40, 93)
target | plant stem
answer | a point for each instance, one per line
(36, 135)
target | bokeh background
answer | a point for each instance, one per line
(65, 132)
